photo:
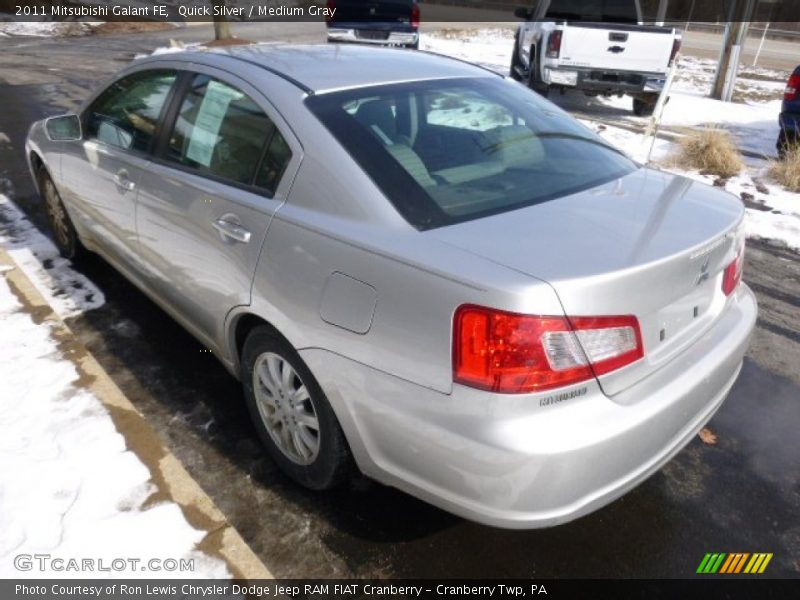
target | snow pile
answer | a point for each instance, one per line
(68, 486)
(66, 290)
(490, 48)
(45, 28)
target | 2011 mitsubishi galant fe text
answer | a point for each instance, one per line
(415, 266)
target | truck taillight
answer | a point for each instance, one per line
(792, 88)
(676, 47)
(733, 273)
(512, 353)
(554, 44)
(331, 5)
(415, 16)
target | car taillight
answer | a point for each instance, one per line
(331, 6)
(554, 44)
(733, 273)
(415, 16)
(676, 47)
(514, 354)
(792, 88)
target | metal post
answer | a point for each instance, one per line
(689, 18)
(661, 15)
(658, 112)
(761, 44)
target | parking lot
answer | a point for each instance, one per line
(737, 491)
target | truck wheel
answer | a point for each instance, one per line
(536, 84)
(515, 62)
(291, 413)
(645, 105)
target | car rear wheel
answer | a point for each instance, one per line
(64, 234)
(291, 413)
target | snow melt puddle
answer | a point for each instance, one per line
(66, 290)
(68, 485)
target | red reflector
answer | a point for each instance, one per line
(415, 16)
(792, 87)
(733, 273)
(513, 354)
(554, 44)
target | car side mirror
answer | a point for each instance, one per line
(522, 13)
(65, 128)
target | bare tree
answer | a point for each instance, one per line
(222, 27)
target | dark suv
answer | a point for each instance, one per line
(384, 22)
(790, 113)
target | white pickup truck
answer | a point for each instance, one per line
(598, 46)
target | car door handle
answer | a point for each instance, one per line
(123, 180)
(231, 230)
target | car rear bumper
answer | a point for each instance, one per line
(366, 35)
(532, 461)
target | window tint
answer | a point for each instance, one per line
(275, 160)
(220, 131)
(446, 151)
(126, 114)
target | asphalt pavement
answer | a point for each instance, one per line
(739, 494)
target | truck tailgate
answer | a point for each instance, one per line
(613, 47)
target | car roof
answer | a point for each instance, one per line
(320, 68)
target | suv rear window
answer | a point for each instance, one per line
(447, 151)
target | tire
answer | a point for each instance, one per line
(292, 402)
(645, 105)
(515, 62)
(781, 145)
(64, 234)
(785, 141)
(534, 82)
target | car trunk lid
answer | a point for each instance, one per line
(650, 244)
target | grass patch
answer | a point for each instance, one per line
(709, 151)
(787, 170)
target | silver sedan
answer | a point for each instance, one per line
(417, 268)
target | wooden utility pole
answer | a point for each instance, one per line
(739, 16)
(222, 27)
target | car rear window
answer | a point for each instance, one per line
(452, 150)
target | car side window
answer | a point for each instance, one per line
(276, 158)
(126, 114)
(220, 131)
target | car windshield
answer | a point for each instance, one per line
(451, 150)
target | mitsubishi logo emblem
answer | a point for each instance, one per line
(703, 271)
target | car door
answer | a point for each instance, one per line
(223, 167)
(100, 173)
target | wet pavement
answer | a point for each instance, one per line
(741, 494)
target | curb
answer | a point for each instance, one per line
(172, 481)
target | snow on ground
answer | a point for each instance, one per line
(66, 290)
(752, 120)
(68, 485)
(45, 28)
